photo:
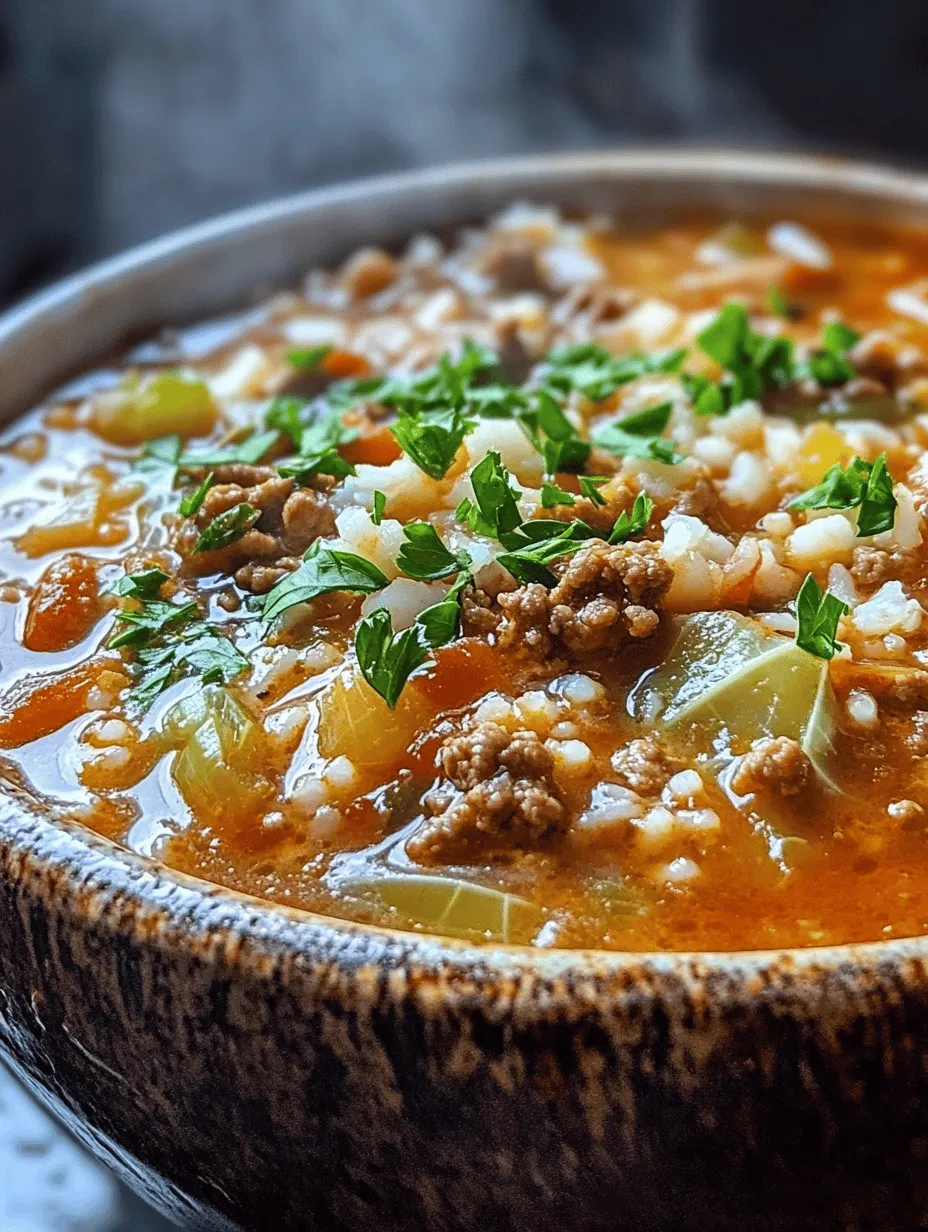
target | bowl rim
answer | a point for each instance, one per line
(75, 868)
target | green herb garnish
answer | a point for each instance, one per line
(323, 571)
(190, 505)
(590, 485)
(553, 495)
(431, 438)
(308, 358)
(867, 484)
(830, 364)
(496, 512)
(754, 363)
(380, 504)
(425, 557)
(529, 563)
(227, 527)
(817, 617)
(250, 452)
(590, 370)
(626, 526)
(640, 435)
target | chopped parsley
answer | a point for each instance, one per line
(160, 455)
(169, 640)
(830, 364)
(626, 526)
(640, 435)
(317, 432)
(308, 358)
(227, 527)
(753, 363)
(432, 437)
(592, 371)
(323, 571)
(388, 659)
(590, 485)
(250, 452)
(529, 563)
(553, 494)
(553, 435)
(425, 557)
(190, 505)
(865, 484)
(496, 511)
(380, 504)
(817, 617)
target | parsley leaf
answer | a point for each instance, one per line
(323, 571)
(424, 556)
(817, 617)
(170, 639)
(432, 437)
(441, 623)
(155, 616)
(250, 452)
(227, 527)
(308, 358)
(553, 435)
(830, 364)
(626, 526)
(589, 486)
(639, 435)
(388, 659)
(496, 512)
(160, 454)
(754, 363)
(190, 505)
(530, 562)
(867, 484)
(317, 432)
(878, 504)
(380, 504)
(590, 370)
(552, 495)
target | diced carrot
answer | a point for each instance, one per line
(37, 707)
(377, 448)
(342, 364)
(64, 606)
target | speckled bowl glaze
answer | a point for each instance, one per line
(248, 1067)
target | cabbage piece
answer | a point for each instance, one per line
(356, 722)
(726, 680)
(216, 768)
(453, 908)
(144, 407)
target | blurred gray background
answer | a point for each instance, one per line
(120, 119)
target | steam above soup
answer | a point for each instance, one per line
(557, 586)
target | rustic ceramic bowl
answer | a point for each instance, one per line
(249, 1067)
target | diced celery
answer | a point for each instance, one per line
(727, 681)
(145, 407)
(453, 908)
(215, 769)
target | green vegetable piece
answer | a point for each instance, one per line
(625, 527)
(553, 495)
(878, 504)
(639, 435)
(380, 504)
(754, 363)
(817, 617)
(323, 571)
(190, 505)
(726, 682)
(155, 405)
(192, 711)
(529, 563)
(156, 615)
(160, 457)
(226, 528)
(453, 908)
(424, 556)
(216, 758)
(441, 623)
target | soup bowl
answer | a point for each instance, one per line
(245, 1066)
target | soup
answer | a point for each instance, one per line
(554, 585)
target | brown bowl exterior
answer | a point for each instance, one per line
(248, 1067)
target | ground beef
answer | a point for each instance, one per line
(513, 266)
(497, 794)
(645, 765)
(773, 764)
(702, 501)
(479, 615)
(291, 519)
(604, 594)
(872, 567)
